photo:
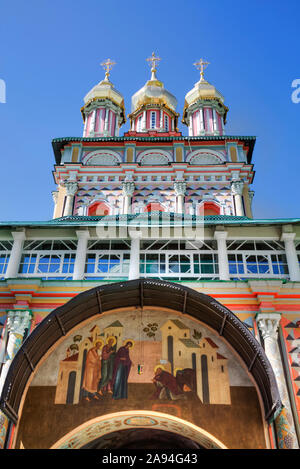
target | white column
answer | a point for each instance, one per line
(55, 197)
(190, 117)
(79, 266)
(17, 322)
(199, 122)
(93, 121)
(180, 188)
(222, 124)
(15, 255)
(268, 324)
(237, 191)
(128, 189)
(161, 123)
(215, 122)
(106, 120)
(110, 123)
(209, 130)
(173, 124)
(71, 191)
(85, 125)
(202, 126)
(134, 265)
(291, 256)
(221, 236)
(144, 121)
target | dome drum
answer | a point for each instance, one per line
(154, 117)
(102, 118)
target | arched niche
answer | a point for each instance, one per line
(102, 158)
(199, 325)
(205, 157)
(154, 157)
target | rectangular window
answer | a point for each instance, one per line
(167, 123)
(153, 120)
(139, 123)
(4, 258)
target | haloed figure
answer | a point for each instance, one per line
(92, 372)
(107, 366)
(122, 366)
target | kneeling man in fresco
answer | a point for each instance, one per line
(92, 372)
(166, 385)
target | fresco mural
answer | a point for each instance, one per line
(176, 359)
(148, 360)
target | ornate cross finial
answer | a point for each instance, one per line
(201, 65)
(107, 65)
(153, 59)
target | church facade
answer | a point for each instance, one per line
(154, 308)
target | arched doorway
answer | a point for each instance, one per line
(104, 311)
(150, 428)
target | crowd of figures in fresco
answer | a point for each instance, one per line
(171, 359)
(107, 371)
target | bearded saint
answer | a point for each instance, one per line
(92, 372)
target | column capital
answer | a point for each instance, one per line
(268, 324)
(251, 195)
(128, 188)
(218, 234)
(180, 187)
(71, 187)
(237, 187)
(82, 234)
(18, 320)
(54, 196)
(288, 236)
(19, 235)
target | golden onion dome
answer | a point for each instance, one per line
(153, 92)
(203, 91)
(105, 90)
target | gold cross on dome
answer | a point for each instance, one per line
(201, 65)
(107, 65)
(153, 59)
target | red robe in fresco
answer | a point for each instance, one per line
(92, 371)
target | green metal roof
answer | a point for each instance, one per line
(149, 219)
(59, 143)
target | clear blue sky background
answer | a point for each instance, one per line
(50, 56)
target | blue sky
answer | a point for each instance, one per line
(50, 56)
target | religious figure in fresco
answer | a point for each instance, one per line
(122, 366)
(166, 385)
(107, 366)
(92, 372)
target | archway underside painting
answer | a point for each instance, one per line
(141, 364)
